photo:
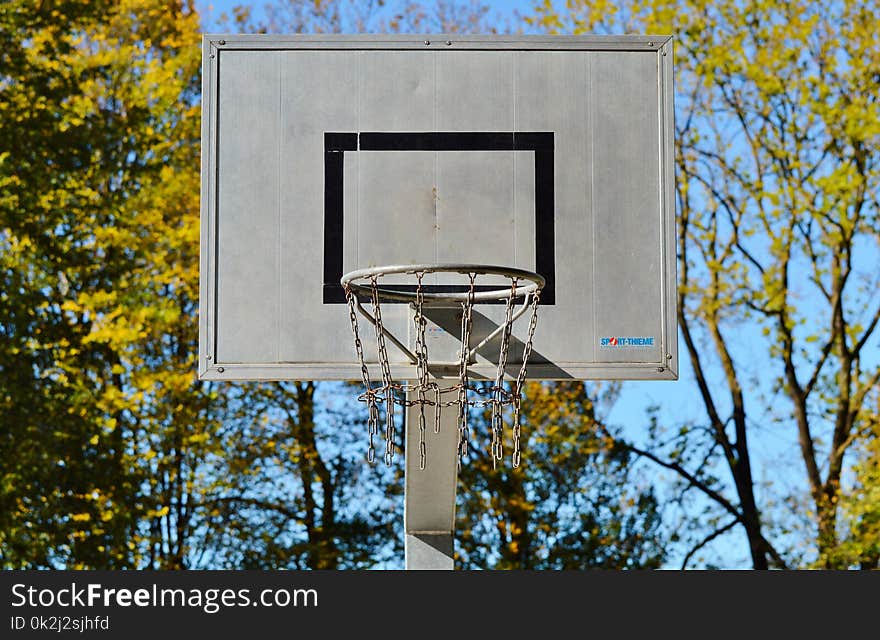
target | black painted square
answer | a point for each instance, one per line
(337, 143)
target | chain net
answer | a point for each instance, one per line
(425, 393)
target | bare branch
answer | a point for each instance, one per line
(278, 507)
(705, 392)
(680, 470)
(867, 334)
(872, 383)
(718, 532)
(734, 214)
(826, 350)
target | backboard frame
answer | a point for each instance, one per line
(213, 46)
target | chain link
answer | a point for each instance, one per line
(498, 390)
(421, 366)
(516, 392)
(387, 382)
(372, 409)
(463, 404)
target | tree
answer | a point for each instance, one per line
(303, 495)
(777, 131)
(576, 502)
(104, 425)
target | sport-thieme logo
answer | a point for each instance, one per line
(626, 341)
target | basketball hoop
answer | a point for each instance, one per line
(520, 294)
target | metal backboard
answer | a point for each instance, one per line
(325, 154)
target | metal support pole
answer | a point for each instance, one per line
(429, 501)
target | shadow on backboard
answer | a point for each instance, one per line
(449, 319)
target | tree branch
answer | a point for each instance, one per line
(255, 502)
(873, 325)
(718, 532)
(680, 470)
(826, 350)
